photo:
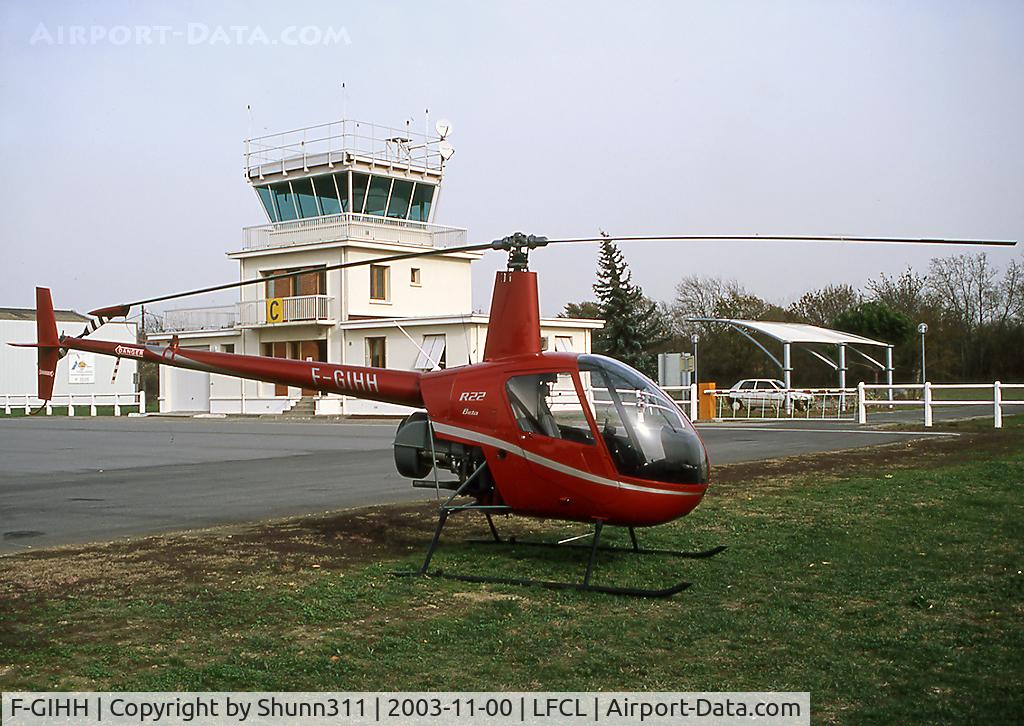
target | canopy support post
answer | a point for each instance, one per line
(888, 370)
(787, 375)
(842, 376)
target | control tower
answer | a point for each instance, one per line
(341, 192)
(348, 167)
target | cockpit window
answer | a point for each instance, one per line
(548, 404)
(645, 432)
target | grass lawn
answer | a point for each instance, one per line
(886, 582)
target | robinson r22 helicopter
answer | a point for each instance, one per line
(523, 432)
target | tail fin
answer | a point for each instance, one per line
(47, 342)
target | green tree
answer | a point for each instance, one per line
(874, 319)
(634, 327)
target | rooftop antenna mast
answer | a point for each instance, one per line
(344, 102)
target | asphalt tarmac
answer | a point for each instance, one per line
(73, 480)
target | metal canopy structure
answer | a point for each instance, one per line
(803, 335)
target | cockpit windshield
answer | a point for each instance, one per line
(646, 433)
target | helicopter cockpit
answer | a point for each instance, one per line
(643, 429)
(646, 433)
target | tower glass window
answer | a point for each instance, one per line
(422, 197)
(284, 202)
(327, 194)
(401, 191)
(359, 184)
(377, 195)
(341, 180)
(304, 197)
(268, 202)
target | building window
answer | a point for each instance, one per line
(563, 343)
(380, 283)
(414, 276)
(422, 197)
(227, 348)
(376, 352)
(300, 281)
(432, 353)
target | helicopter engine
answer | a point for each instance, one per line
(417, 452)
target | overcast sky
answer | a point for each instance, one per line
(122, 159)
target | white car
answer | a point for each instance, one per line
(758, 392)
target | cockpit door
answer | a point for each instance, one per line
(555, 432)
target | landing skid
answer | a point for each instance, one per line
(584, 586)
(700, 555)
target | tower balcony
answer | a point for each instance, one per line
(299, 310)
(350, 226)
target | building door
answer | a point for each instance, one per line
(189, 390)
(312, 350)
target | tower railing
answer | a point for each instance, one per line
(350, 226)
(328, 143)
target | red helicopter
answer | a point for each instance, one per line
(564, 436)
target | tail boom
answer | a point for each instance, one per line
(376, 384)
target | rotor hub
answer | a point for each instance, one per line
(518, 246)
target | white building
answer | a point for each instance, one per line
(83, 375)
(332, 194)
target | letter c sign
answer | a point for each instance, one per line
(275, 310)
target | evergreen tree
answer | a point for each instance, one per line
(588, 309)
(633, 324)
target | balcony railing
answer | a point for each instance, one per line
(250, 314)
(350, 226)
(301, 309)
(194, 319)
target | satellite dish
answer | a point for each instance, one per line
(446, 150)
(443, 127)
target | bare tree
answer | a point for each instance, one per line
(967, 287)
(1012, 292)
(907, 293)
(822, 307)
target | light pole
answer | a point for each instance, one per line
(922, 329)
(695, 339)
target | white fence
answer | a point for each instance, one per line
(992, 396)
(28, 402)
(848, 404)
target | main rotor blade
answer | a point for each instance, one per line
(784, 238)
(123, 309)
